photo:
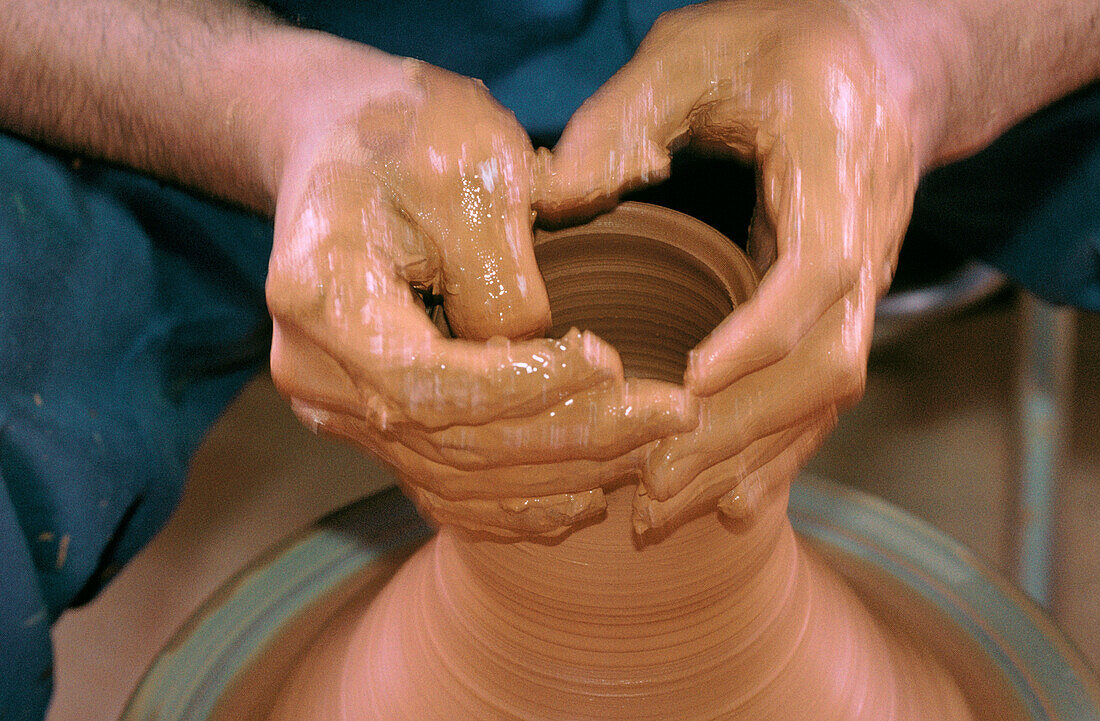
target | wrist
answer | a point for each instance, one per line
(323, 81)
(967, 71)
(914, 45)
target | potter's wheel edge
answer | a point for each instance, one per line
(815, 502)
(392, 523)
(388, 512)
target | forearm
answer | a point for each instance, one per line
(970, 69)
(197, 92)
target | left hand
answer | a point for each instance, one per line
(794, 89)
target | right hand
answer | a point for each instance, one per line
(422, 181)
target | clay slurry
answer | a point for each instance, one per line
(709, 621)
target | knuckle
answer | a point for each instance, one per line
(665, 24)
(843, 47)
(287, 293)
(674, 24)
(281, 364)
(278, 290)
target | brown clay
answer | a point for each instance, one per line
(713, 619)
(797, 90)
(424, 184)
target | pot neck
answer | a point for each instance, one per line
(601, 576)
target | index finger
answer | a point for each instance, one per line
(825, 223)
(598, 424)
(337, 281)
(456, 382)
(467, 188)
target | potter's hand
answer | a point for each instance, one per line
(424, 185)
(794, 89)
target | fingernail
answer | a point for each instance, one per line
(698, 372)
(691, 372)
(639, 515)
(735, 505)
(599, 354)
(655, 473)
(587, 505)
(656, 164)
(551, 515)
(657, 482)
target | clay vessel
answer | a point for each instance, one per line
(711, 621)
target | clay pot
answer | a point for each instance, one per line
(710, 622)
(650, 281)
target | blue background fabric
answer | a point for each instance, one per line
(1029, 204)
(542, 59)
(131, 312)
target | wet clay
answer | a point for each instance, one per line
(797, 91)
(421, 189)
(709, 619)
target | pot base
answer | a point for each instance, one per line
(233, 658)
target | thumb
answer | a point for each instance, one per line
(491, 283)
(620, 138)
(463, 186)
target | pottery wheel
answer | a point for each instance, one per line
(231, 658)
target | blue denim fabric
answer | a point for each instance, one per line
(130, 314)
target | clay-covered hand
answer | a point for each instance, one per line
(421, 186)
(794, 89)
